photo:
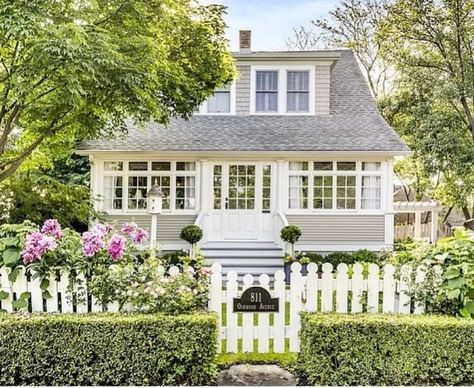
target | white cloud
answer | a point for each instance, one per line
(271, 22)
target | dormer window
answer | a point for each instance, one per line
(297, 91)
(266, 91)
(220, 101)
(282, 89)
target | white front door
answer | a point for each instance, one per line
(242, 201)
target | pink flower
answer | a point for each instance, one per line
(139, 236)
(116, 247)
(129, 227)
(92, 242)
(36, 245)
(53, 228)
(101, 229)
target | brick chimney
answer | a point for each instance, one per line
(245, 41)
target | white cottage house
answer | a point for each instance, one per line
(296, 139)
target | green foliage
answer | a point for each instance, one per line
(290, 234)
(12, 238)
(37, 197)
(181, 259)
(285, 360)
(152, 60)
(365, 256)
(335, 258)
(191, 233)
(107, 349)
(396, 350)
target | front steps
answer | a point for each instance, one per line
(245, 257)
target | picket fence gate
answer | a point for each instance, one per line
(320, 290)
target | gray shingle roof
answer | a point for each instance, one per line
(354, 124)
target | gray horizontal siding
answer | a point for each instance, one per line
(169, 225)
(242, 90)
(340, 229)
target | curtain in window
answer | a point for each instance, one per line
(370, 192)
(266, 91)
(297, 91)
(298, 195)
(220, 101)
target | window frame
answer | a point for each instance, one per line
(358, 173)
(172, 173)
(282, 88)
(203, 108)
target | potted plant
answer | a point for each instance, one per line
(290, 234)
(192, 234)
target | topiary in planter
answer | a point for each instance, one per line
(192, 234)
(290, 234)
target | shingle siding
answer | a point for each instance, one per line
(322, 90)
(348, 230)
(242, 90)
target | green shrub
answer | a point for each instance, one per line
(313, 257)
(107, 349)
(335, 258)
(341, 349)
(191, 233)
(365, 256)
(290, 234)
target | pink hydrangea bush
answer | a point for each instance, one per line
(36, 245)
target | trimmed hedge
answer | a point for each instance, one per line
(386, 350)
(107, 349)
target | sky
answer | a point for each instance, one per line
(271, 21)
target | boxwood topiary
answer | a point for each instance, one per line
(107, 349)
(191, 233)
(362, 349)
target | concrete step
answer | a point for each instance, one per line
(246, 262)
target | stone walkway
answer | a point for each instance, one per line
(262, 375)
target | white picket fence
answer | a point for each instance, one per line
(323, 291)
(345, 290)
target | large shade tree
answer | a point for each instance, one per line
(75, 69)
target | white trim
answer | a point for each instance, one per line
(282, 92)
(203, 107)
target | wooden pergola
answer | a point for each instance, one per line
(418, 208)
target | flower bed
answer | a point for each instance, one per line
(107, 349)
(341, 349)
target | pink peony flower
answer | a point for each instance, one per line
(129, 227)
(36, 245)
(139, 236)
(116, 247)
(53, 228)
(92, 242)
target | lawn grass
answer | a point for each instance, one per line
(285, 360)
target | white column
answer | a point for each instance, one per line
(387, 200)
(280, 186)
(205, 195)
(434, 226)
(418, 215)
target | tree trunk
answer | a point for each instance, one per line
(466, 213)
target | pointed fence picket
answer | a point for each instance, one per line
(355, 289)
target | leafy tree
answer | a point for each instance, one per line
(352, 24)
(76, 69)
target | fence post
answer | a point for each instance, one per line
(327, 288)
(312, 288)
(232, 322)
(296, 289)
(6, 286)
(279, 317)
(20, 285)
(247, 321)
(388, 289)
(404, 300)
(36, 293)
(420, 278)
(215, 303)
(373, 289)
(342, 281)
(357, 288)
(263, 321)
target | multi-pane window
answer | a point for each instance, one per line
(266, 89)
(219, 102)
(297, 91)
(217, 187)
(137, 189)
(323, 192)
(298, 196)
(241, 187)
(266, 188)
(113, 192)
(341, 185)
(126, 184)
